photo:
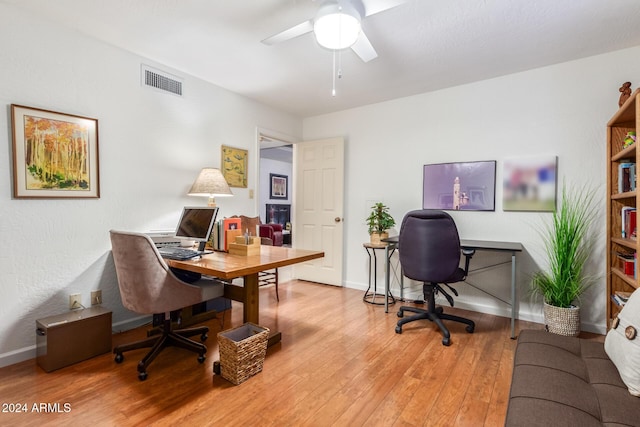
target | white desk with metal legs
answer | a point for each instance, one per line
(480, 245)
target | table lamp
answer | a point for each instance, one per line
(210, 183)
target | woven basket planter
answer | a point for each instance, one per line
(376, 238)
(562, 321)
(242, 352)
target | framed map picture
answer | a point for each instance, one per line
(234, 166)
(55, 155)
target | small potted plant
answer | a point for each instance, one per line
(568, 242)
(379, 221)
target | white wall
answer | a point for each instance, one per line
(559, 110)
(151, 144)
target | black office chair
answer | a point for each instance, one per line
(429, 250)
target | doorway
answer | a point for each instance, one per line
(314, 173)
(275, 196)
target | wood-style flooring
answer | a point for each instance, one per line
(340, 363)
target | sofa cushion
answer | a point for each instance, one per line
(622, 343)
(566, 381)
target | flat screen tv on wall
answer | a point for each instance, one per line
(278, 214)
(466, 186)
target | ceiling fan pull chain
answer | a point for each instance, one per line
(333, 89)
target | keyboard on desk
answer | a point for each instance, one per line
(177, 253)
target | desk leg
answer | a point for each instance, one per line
(387, 278)
(251, 312)
(513, 295)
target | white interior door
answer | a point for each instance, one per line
(318, 208)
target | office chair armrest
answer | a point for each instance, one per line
(468, 254)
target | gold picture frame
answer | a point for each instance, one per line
(234, 166)
(55, 155)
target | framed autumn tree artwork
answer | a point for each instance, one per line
(55, 155)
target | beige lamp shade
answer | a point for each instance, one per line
(210, 183)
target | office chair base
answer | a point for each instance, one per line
(177, 338)
(435, 315)
(186, 332)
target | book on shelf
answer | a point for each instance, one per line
(628, 214)
(616, 299)
(626, 262)
(626, 177)
(622, 296)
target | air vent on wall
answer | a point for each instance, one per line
(157, 79)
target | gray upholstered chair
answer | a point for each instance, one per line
(147, 286)
(429, 252)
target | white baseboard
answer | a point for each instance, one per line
(496, 310)
(17, 356)
(127, 324)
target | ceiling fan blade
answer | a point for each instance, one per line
(376, 6)
(364, 49)
(293, 32)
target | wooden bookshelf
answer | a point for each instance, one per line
(626, 119)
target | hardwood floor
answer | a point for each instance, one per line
(340, 363)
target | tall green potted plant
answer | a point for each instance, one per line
(568, 241)
(379, 221)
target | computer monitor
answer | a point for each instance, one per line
(196, 223)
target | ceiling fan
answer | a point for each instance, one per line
(337, 26)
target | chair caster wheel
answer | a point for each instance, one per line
(201, 358)
(398, 329)
(439, 310)
(142, 376)
(216, 367)
(204, 337)
(446, 341)
(119, 358)
(401, 314)
(470, 329)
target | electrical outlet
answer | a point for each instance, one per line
(96, 297)
(75, 301)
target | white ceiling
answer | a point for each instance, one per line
(423, 45)
(282, 154)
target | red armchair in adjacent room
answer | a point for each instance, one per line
(273, 232)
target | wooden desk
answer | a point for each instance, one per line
(226, 266)
(481, 245)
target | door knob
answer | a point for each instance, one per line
(337, 219)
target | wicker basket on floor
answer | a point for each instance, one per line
(242, 352)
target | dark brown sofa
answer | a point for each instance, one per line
(566, 381)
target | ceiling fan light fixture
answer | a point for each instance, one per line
(337, 25)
